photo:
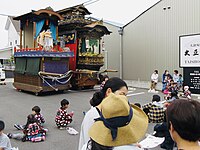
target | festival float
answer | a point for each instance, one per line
(58, 50)
(83, 36)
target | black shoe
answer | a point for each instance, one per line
(19, 127)
(9, 135)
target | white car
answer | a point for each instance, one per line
(2, 73)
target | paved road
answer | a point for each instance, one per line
(15, 106)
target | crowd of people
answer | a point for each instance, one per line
(113, 123)
(171, 84)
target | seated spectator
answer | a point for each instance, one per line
(63, 118)
(119, 128)
(161, 130)
(187, 93)
(32, 131)
(154, 110)
(180, 82)
(4, 140)
(183, 123)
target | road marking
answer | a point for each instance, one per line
(135, 94)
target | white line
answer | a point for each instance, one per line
(135, 94)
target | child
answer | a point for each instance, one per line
(32, 131)
(38, 115)
(62, 118)
(180, 81)
(154, 110)
(187, 93)
(36, 112)
(4, 140)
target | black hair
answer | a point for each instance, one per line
(137, 104)
(2, 125)
(36, 109)
(156, 71)
(174, 94)
(92, 145)
(185, 119)
(156, 98)
(64, 102)
(113, 83)
(176, 71)
(30, 119)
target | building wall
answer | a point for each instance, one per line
(151, 41)
(13, 37)
(112, 50)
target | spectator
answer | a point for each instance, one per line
(180, 82)
(183, 123)
(36, 112)
(62, 118)
(32, 131)
(113, 85)
(154, 81)
(187, 93)
(164, 79)
(4, 140)
(119, 128)
(154, 110)
(175, 76)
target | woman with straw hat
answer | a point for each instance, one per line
(119, 126)
(113, 85)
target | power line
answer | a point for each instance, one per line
(89, 2)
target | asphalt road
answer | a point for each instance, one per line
(15, 106)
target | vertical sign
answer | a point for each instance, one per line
(192, 79)
(189, 48)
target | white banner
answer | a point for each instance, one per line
(189, 50)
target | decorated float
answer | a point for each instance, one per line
(58, 50)
(39, 65)
(83, 36)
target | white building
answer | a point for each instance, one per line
(13, 28)
(151, 40)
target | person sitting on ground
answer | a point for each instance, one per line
(154, 110)
(117, 129)
(183, 123)
(36, 112)
(165, 77)
(154, 81)
(161, 130)
(33, 131)
(63, 118)
(180, 82)
(187, 93)
(175, 76)
(113, 85)
(4, 140)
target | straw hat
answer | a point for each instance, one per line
(113, 110)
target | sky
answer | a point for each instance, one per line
(112, 10)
